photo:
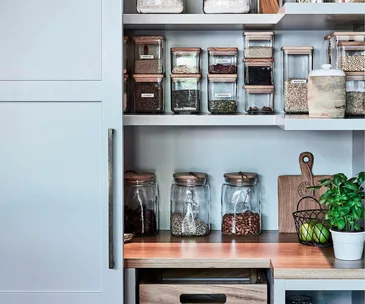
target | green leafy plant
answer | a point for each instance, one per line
(344, 200)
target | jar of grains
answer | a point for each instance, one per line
(259, 71)
(126, 106)
(258, 44)
(185, 93)
(222, 93)
(125, 50)
(222, 60)
(140, 203)
(241, 205)
(190, 204)
(148, 93)
(351, 56)
(297, 63)
(185, 60)
(259, 99)
(226, 7)
(355, 94)
(160, 6)
(149, 54)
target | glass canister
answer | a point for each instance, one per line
(355, 94)
(222, 60)
(185, 60)
(351, 56)
(258, 44)
(140, 203)
(222, 93)
(160, 6)
(125, 94)
(149, 54)
(125, 55)
(185, 93)
(297, 63)
(190, 204)
(226, 7)
(259, 99)
(241, 204)
(259, 71)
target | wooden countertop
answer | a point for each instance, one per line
(281, 252)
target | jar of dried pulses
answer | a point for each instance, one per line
(222, 93)
(185, 60)
(185, 93)
(160, 7)
(241, 205)
(259, 99)
(258, 44)
(351, 56)
(222, 60)
(355, 94)
(149, 54)
(259, 71)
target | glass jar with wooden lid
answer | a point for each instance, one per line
(258, 44)
(259, 99)
(185, 93)
(351, 56)
(259, 71)
(149, 54)
(185, 60)
(222, 60)
(355, 94)
(222, 93)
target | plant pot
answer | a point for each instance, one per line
(348, 246)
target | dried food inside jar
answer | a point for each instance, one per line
(185, 60)
(259, 99)
(149, 52)
(241, 224)
(222, 94)
(259, 71)
(226, 7)
(355, 94)
(163, 7)
(140, 221)
(258, 44)
(184, 225)
(295, 96)
(185, 94)
(222, 60)
(352, 58)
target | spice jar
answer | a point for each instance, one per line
(125, 94)
(148, 93)
(259, 99)
(297, 63)
(149, 54)
(351, 56)
(259, 71)
(299, 300)
(185, 60)
(185, 93)
(241, 205)
(140, 203)
(222, 93)
(355, 94)
(125, 44)
(190, 204)
(222, 60)
(258, 44)
(226, 7)
(160, 7)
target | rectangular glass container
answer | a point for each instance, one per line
(259, 71)
(149, 54)
(258, 44)
(185, 60)
(226, 7)
(185, 93)
(160, 6)
(125, 55)
(222, 60)
(222, 93)
(355, 94)
(259, 99)
(126, 106)
(351, 56)
(148, 93)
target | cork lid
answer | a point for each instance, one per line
(241, 177)
(268, 62)
(222, 77)
(135, 177)
(223, 51)
(350, 76)
(190, 177)
(148, 39)
(186, 49)
(148, 77)
(297, 50)
(259, 89)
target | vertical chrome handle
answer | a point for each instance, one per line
(110, 197)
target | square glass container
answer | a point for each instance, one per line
(259, 99)
(125, 56)
(185, 60)
(160, 6)
(222, 60)
(297, 63)
(258, 44)
(148, 93)
(185, 93)
(355, 94)
(259, 71)
(222, 93)
(126, 106)
(149, 54)
(226, 6)
(351, 56)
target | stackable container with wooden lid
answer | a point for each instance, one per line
(185, 60)
(149, 54)
(222, 60)
(258, 44)
(259, 71)
(222, 93)
(355, 94)
(351, 56)
(259, 99)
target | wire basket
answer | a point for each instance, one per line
(312, 227)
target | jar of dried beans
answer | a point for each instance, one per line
(185, 93)
(149, 54)
(297, 64)
(259, 99)
(355, 94)
(259, 71)
(222, 60)
(258, 44)
(351, 56)
(226, 7)
(241, 205)
(185, 60)
(190, 204)
(222, 93)
(160, 6)
(140, 203)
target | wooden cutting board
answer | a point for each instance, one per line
(292, 188)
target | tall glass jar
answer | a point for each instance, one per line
(149, 54)
(140, 203)
(190, 204)
(241, 205)
(355, 94)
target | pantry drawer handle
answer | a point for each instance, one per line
(110, 198)
(203, 298)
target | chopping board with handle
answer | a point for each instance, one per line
(292, 188)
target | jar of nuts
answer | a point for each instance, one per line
(241, 204)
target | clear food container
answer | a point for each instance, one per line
(125, 55)
(185, 60)
(222, 60)
(258, 44)
(351, 56)
(222, 93)
(149, 54)
(259, 71)
(241, 204)
(185, 93)
(226, 7)
(126, 106)
(259, 99)
(297, 64)
(190, 204)
(160, 6)
(355, 94)
(148, 94)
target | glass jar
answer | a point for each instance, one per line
(222, 93)
(259, 71)
(259, 99)
(258, 44)
(185, 93)
(190, 204)
(351, 56)
(149, 54)
(297, 64)
(160, 6)
(140, 203)
(241, 205)
(148, 93)
(185, 60)
(222, 60)
(226, 7)
(125, 55)
(299, 300)
(355, 94)
(126, 107)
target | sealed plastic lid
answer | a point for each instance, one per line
(223, 51)
(148, 39)
(297, 50)
(148, 77)
(135, 177)
(190, 177)
(259, 89)
(222, 77)
(186, 49)
(351, 76)
(241, 177)
(326, 71)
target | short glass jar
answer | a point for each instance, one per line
(222, 60)
(259, 99)
(190, 204)
(160, 6)
(185, 60)
(258, 44)
(140, 203)
(149, 54)
(148, 93)
(241, 204)
(185, 93)
(126, 106)
(355, 94)
(351, 56)
(226, 7)
(125, 54)
(259, 71)
(222, 93)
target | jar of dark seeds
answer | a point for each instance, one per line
(222, 93)
(259, 71)
(190, 204)
(258, 44)
(351, 56)
(355, 94)
(185, 93)
(222, 60)
(149, 54)
(259, 99)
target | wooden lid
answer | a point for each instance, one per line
(258, 33)
(223, 50)
(148, 39)
(191, 177)
(355, 76)
(187, 49)
(297, 50)
(351, 43)
(148, 77)
(346, 34)
(185, 76)
(222, 77)
(258, 62)
(241, 177)
(257, 89)
(133, 176)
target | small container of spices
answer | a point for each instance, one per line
(299, 299)
(126, 106)
(222, 60)
(258, 44)
(222, 93)
(185, 93)
(351, 56)
(259, 99)
(149, 54)
(185, 60)
(259, 71)
(355, 94)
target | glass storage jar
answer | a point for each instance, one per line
(190, 204)
(351, 56)
(355, 94)
(259, 99)
(126, 106)
(125, 55)
(140, 203)
(226, 7)
(222, 60)
(241, 205)
(259, 71)
(160, 6)
(148, 93)
(297, 64)
(258, 44)
(222, 93)
(185, 60)
(149, 54)
(185, 93)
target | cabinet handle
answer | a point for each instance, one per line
(110, 197)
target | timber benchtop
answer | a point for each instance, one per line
(281, 252)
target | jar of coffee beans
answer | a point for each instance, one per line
(190, 204)
(185, 93)
(140, 203)
(241, 205)
(222, 93)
